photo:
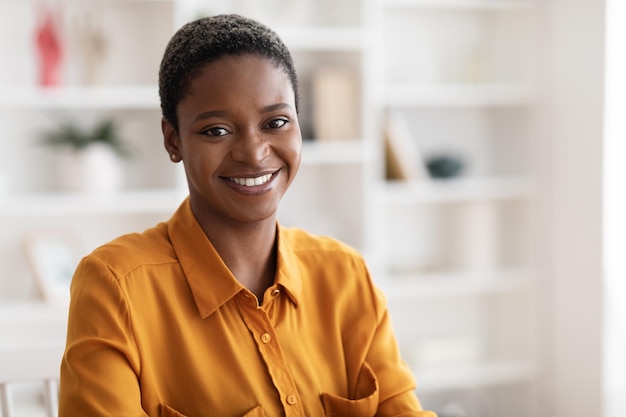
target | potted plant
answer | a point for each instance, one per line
(90, 160)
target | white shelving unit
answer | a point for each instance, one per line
(454, 257)
(459, 267)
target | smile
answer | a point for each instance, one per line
(251, 182)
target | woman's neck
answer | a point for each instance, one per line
(249, 250)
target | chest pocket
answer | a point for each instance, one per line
(255, 412)
(365, 403)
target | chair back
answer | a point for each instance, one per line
(35, 363)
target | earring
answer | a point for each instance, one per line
(173, 157)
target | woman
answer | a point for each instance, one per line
(221, 311)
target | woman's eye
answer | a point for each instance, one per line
(276, 123)
(215, 131)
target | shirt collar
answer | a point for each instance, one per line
(288, 268)
(211, 282)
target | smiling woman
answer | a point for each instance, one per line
(238, 124)
(221, 308)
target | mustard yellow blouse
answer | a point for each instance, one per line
(158, 326)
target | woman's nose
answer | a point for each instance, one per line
(250, 146)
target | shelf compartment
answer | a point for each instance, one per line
(331, 93)
(473, 235)
(489, 142)
(457, 95)
(477, 51)
(115, 22)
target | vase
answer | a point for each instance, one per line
(97, 169)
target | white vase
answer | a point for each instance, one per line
(96, 169)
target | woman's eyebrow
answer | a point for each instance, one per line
(222, 113)
(274, 107)
(209, 114)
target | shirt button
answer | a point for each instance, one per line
(291, 399)
(265, 338)
(276, 292)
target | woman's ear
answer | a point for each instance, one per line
(171, 140)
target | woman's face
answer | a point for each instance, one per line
(239, 139)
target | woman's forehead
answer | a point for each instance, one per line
(235, 81)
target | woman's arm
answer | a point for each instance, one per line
(396, 381)
(398, 399)
(101, 364)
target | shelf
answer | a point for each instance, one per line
(407, 287)
(464, 4)
(457, 95)
(473, 375)
(140, 97)
(72, 204)
(456, 190)
(324, 39)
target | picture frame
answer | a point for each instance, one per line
(53, 257)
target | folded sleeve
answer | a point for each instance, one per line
(100, 366)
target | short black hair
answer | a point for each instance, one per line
(206, 40)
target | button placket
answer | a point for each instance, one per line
(260, 325)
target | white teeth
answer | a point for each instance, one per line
(249, 182)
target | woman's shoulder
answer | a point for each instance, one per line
(322, 254)
(132, 250)
(331, 269)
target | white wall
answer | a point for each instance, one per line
(576, 134)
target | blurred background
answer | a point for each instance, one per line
(470, 149)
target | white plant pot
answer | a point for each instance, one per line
(96, 169)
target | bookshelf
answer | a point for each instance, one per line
(454, 256)
(458, 252)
